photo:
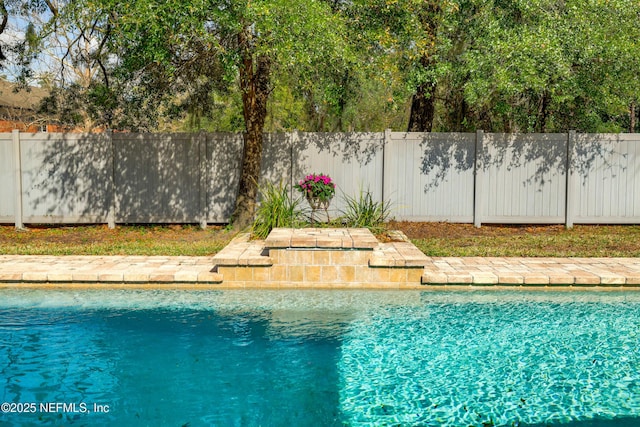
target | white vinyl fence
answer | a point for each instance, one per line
(193, 178)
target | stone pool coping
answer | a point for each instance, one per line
(396, 264)
(160, 271)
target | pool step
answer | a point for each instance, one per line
(398, 254)
(241, 251)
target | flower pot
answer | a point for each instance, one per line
(318, 203)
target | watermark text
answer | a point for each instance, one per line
(54, 407)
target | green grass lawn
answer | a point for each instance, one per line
(549, 241)
(434, 239)
(123, 240)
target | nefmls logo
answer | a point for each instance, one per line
(55, 407)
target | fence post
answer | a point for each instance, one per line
(111, 215)
(572, 184)
(203, 176)
(386, 140)
(17, 160)
(478, 183)
(293, 139)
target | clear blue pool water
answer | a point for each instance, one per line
(320, 358)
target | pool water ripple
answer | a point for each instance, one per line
(330, 358)
(502, 363)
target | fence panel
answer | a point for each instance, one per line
(65, 178)
(224, 162)
(429, 177)
(353, 160)
(157, 178)
(608, 178)
(524, 178)
(277, 157)
(164, 178)
(7, 179)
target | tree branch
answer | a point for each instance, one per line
(52, 8)
(3, 25)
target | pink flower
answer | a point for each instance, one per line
(314, 185)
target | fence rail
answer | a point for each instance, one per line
(193, 178)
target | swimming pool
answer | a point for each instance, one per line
(311, 358)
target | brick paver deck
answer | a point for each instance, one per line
(106, 270)
(533, 271)
(312, 256)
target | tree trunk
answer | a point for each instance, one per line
(543, 113)
(422, 108)
(254, 73)
(632, 117)
(423, 102)
(3, 24)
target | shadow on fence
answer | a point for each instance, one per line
(66, 178)
(459, 177)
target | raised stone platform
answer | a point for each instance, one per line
(320, 257)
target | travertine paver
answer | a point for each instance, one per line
(330, 238)
(533, 271)
(437, 271)
(106, 269)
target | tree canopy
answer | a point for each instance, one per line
(332, 65)
(442, 65)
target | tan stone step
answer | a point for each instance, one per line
(242, 251)
(398, 254)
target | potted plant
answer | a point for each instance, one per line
(318, 189)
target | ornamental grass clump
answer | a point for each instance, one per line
(363, 211)
(276, 209)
